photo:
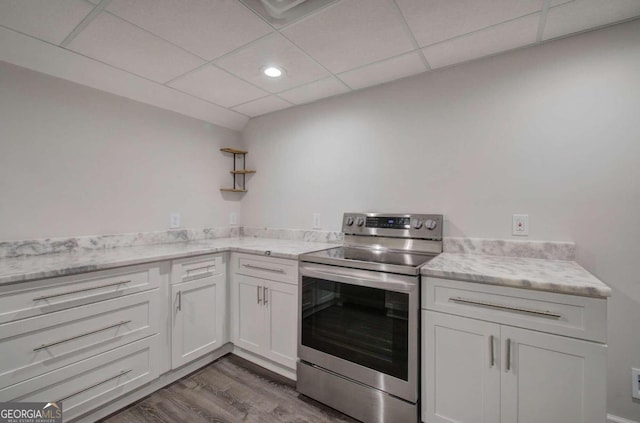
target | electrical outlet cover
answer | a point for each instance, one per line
(635, 383)
(520, 225)
(174, 220)
(317, 222)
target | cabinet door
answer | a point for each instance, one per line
(281, 301)
(460, 370)
(198, 318)
(249, 331)
(549, 378)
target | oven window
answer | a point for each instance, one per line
(367, 326)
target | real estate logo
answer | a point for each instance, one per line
(30, 412)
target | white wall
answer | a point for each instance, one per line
(77, 161)
(552, 131)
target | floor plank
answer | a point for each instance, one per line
(227, 391)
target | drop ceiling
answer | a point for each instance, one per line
(204, 58)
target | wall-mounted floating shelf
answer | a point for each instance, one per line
(235, 172)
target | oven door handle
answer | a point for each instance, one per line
(381, 280)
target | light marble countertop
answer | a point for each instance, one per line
(21, 269)
(560, 276)
(530, 273)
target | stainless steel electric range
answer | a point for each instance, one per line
(358, 342)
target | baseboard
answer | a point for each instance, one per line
(615, 419)
(263, 362)
(164, 380)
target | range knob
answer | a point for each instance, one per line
(360, 221)
(431, 224)
(417, 223)
(348, 221)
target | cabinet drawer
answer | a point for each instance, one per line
(31, 347)
(89, 383)
(281, 270)
(28, 299)
(192, 268)
(568, 315)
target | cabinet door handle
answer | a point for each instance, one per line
(259, 299)
(264, 294)
(506, 307)
(79, 290)
(508, 354)
(122, 373)
(250, 266)
(492, 355)
(179, 300)
(44, 346)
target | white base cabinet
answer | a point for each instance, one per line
(84, 339)
(552, 378)
(460, 385)
(264, 304)
(479, 370)
(198, 307)
(91, 339)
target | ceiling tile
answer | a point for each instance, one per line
(204, 27)
(121, 44)
(48, 20)
(496, 39)
(34, 54)
(351, 34)
(274, 49)
(326, 87)
(581, 15)
(215, 85)
(384, 71)
(262, 106)
(432, 21)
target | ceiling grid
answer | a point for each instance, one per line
(205, 58)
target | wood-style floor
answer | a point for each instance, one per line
(227, 391)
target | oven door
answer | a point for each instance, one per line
(362, 325)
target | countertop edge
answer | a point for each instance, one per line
(581, 290)
(86, 268)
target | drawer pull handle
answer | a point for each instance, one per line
(199, 270)
(79, 290)
(250, 266)
(508, 366)
(44, 346)
(122, 373)
(506, 307)
(492, 355)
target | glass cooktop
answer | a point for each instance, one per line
(383, 260)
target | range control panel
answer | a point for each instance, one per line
(388, 222)
(424, 226)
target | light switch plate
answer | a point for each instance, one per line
(233, 218)
(317, 221)
(520, 225)
(174, 220)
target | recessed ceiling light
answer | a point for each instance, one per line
(272, 71)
